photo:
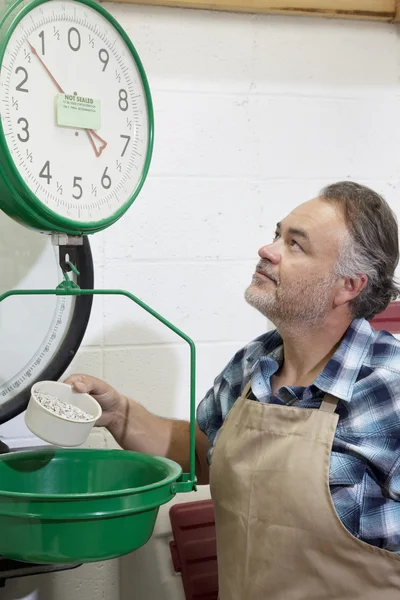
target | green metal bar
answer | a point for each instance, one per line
(73, 268)
(69, 288)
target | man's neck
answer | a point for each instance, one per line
(306, 352)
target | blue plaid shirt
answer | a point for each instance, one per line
(364, 374)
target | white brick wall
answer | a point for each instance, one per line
(253, 114)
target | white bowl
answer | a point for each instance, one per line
(56, 429)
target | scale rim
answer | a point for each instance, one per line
(16, 199)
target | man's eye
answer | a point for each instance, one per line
(276, 235)
(293, 243)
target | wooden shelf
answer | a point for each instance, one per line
(376, 10)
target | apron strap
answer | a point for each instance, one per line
(247, 390)
(329, 403)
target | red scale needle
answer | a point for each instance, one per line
(90, 132)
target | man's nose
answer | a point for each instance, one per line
(271, 253)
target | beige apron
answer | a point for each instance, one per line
(278, 534)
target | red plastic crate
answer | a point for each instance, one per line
(389, 319)
(194, 549)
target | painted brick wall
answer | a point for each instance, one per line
(253, 115)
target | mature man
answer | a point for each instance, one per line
(302, 428)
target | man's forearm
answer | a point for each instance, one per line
(135, 428)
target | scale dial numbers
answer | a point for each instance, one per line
(82, 170)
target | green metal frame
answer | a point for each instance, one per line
(20, 203)
(16, 198)
(187, 482)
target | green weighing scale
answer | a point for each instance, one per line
(76, 138)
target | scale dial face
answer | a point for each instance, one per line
(76, 117)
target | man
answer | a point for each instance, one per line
(302, 428)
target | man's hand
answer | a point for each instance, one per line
(135, 428)
(112, 403)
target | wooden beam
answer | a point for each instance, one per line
(397, 14)
(377, 10)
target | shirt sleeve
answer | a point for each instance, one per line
(209, 411)
(229, 384)
(227, 387)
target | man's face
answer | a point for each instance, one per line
(295, 282)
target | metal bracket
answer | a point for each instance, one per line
(184, 484)
(67, 255)
(62, 239)
(66, 248)
(67, 286)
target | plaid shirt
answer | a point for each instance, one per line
(364, 374)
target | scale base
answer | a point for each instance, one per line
(9, 569)
(4, 448)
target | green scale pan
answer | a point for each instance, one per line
(63, 506)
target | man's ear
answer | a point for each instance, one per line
(350, 288)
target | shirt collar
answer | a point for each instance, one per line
(340, 373)
(270, 342)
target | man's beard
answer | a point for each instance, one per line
(301, 303)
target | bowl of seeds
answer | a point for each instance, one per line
(59, 415)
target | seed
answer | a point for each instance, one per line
(61, 408)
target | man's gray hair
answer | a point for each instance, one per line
(374, 245)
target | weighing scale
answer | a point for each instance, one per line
(76, 139)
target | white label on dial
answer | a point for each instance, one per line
(64, 47)
(76, 111)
